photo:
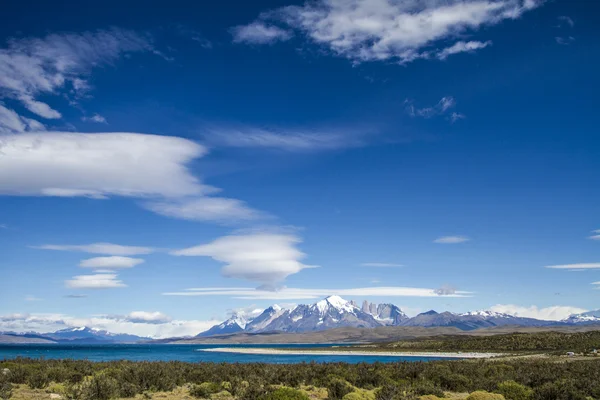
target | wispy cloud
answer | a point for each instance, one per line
(596, 235)
(267, 258)
(216, 209)
(298, 293)
(564, 40)
(100, 248)
(32, 298)
(583, 266)
(462, 47)
(441, 108)
(75, 296)
(259, 33)
(112, 262)
(553, 313)
(31, 67)
(95, 118)
(11, 122)
(293, 140)
(564, 19)
(451, 239)
(95, 281)
(381, 265)
(400, 30)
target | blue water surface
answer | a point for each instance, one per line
(184, 352)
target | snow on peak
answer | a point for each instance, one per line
(335, 302)
(484, 313)
(276, 307)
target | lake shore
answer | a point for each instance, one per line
(275, 352)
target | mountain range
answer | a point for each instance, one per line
(335, 312)
(329, 313)
(76, 335)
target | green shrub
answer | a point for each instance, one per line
(421, 388)
(482, 395)
(337, 388)
(559, 390)
(38, 380)
(429, 397)
(5, 387)
(512, 390)
(222, 395)
(285, 393)
(128, 389)
(57, 388)
(360, 395)
(97, 387)
(204, 390)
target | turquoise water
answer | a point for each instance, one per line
(187, 353)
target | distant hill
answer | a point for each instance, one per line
(77, 335)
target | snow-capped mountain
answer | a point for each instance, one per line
(237, 323)
(85, 334)
(335, 312)
(586, 318)
(331, 312)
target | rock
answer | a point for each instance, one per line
(55, 396)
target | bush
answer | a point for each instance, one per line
(5, 387)
(481, 395)
(512, 390)
(57, 388)
(222, 395)
(38, 380)
(360, 395)
(204, 390)
(97, 387)
(337, 388)
(285, 393)
(429, 397)
(129, 389)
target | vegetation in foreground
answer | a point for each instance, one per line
(471, 380)
(553, 342)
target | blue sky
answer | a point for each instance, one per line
(431, 154)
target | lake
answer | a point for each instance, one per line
(186, 352)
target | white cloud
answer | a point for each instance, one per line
(565, 19)
(43, 66)
(144, 317)
(398, 30)
(381, 265)
(297, 293)
(100, 248)
(100, 165)
(3, 226)
(564, 41)
(285, 139)
(261, 257)
(462, 47)
(451, 239)
(37, 107)
(111, 262)
(216, 209)
(441, 108)
(596, 235)
(259, 33)
(456, 117)
(32, 298)
(583, 266)
(145, 324)
(95, 281)
(11, 122)
(95, 118)
(96, 165)
(553, 313)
